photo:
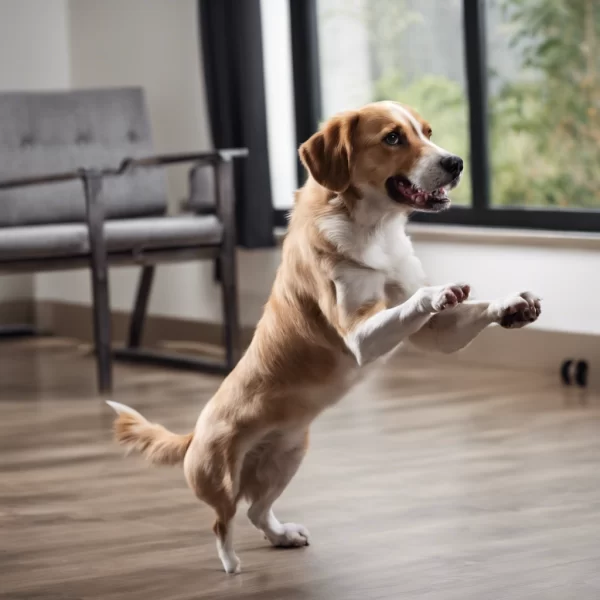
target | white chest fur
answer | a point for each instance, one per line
(382, 253)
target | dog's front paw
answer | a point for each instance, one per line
(517, 310)
(439, 298)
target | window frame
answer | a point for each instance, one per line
(307, 100)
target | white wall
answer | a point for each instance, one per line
(566, 279)
(34, 41)
(34, 55)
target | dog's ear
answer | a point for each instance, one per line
(328, 153)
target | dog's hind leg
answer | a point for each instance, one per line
(266, 473)
(213, 474)
(223, 529)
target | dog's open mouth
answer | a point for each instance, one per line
(401, 189)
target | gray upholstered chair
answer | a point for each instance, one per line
(80, 186)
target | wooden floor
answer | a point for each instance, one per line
(428, 482)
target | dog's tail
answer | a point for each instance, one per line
(156, 444)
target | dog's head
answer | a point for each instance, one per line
(383, 149)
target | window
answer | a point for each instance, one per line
(511, 85)
(544, 103)
(403, 50)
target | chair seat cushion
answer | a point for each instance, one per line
(162, 232)
(123, 235)
(43, 241)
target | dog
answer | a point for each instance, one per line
(348, 292)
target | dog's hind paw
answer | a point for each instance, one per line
(292, 536)
(231, 563)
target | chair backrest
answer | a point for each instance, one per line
(48, 132)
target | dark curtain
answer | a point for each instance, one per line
(231, 43)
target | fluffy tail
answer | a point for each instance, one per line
(156, 444)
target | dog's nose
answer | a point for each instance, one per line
(452, 164)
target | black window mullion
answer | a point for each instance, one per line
(306, 71)
(477, 92)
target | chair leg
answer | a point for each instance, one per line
(138, 317)
(102, 328)
(231, 322)
(92, 184)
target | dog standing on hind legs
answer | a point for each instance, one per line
(349, 291)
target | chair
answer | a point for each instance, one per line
(80, 185)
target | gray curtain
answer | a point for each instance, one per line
(231, 44)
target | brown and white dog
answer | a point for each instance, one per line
(349, 290)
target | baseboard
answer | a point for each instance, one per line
(17, 312)
(529, 349)
(532, 350)
(75, 321)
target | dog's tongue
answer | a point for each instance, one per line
(417, 195)
(408, 189)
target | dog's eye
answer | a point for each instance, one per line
(392, 138)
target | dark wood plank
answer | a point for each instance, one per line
(430, 481)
